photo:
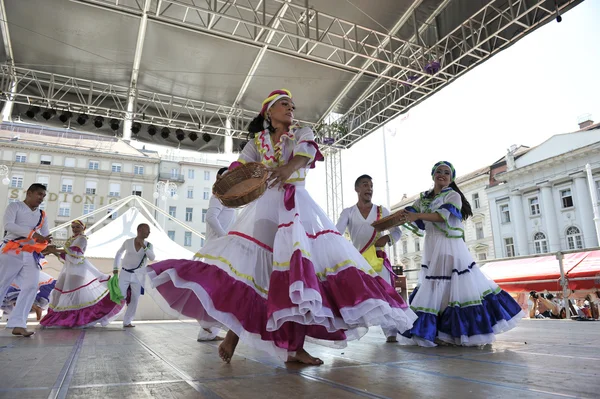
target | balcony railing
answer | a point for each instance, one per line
(171, 177)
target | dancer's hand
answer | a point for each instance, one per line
(410, 216)
(279, 175)
(115, 272)
(382, 241)
(40, 238)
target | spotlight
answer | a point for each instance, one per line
(49, 113)
(114, 124)
(65, 116)
(98, 121)
(135, 127)
(32, 112)
(164, 133)
(151, 130)
(193, 136)
(82, 119)
(206, 137)
(179, 134)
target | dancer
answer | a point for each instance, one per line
(218, 221)
(456, 303)
(358, 219)
(40, 304)
(80, 297)
(137, 251)
(26, 236)
(283, 273)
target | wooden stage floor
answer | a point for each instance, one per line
(539, 359)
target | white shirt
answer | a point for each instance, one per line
(219, 219)
(361, 231)
(132, 258)
(19, 220)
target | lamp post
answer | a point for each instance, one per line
(4, 174)
(163, 190)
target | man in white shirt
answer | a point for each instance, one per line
(219, 220)
(25, 236)
(358, 219)
(137, 252)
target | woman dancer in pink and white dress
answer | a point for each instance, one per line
(283, 273)
(80, 297)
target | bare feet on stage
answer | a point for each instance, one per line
(22, 331)
(216, 338)
(129, 326)
(227, 347)
(304, 357)
(391, 340)
(38, 312)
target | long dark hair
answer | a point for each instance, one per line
(257, 125)
(465, 209)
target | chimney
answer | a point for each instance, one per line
(585, 121)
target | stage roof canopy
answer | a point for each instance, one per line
(204, 66)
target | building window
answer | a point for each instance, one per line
(174, 173)
(202, 239)
(171, 234)
(417, 245)
(94, 165)
(136, 189)
(574, 238)
(505, 213)
(114, 215)
(64, 209)
(67, 186)
(598, 189)
(42, 206)
(479, 230)
(91, 187)
(173, 211)
(481, 256)
(404, 247)
(189, 213)
(11, 200)
(534, 206)
(172, 192)
(509, 247)
(206, 175)
(475, 198)
(566, 198)
(43, 180)
(70, 162)
(187, 241)
(88, 208)
(46, 160)
(114, 190)
(116, 167)
(204, 215)
(16, 182)
(206, 194)
(540, 243)
(190, 192)
(138, 170)
(191, 174)
(21, 157)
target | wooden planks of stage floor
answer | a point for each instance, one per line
(540, 358)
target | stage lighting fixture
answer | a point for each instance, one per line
(135, 127)
(65, 116)
(48, 113)
(32, 112)
(98, 121)
(82, 119)
(193, 136)
(164, 133)
(114, 124)
(179, 134)
(206, 137)
(151, 130)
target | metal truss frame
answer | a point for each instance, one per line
(334, 186)
(497, 25)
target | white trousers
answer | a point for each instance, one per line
(127, 280)
(385, 274)
(23, 268)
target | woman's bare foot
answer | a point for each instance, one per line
(391, 339)
(304, 357)
(227, 347)
(22, 331)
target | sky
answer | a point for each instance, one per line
(525, 94)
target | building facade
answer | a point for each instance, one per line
(478, 229)
(542, 201)
(188, 200)
(82, 172)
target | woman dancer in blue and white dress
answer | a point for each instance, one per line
(456, 303)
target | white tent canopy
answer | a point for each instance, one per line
(105, 242)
